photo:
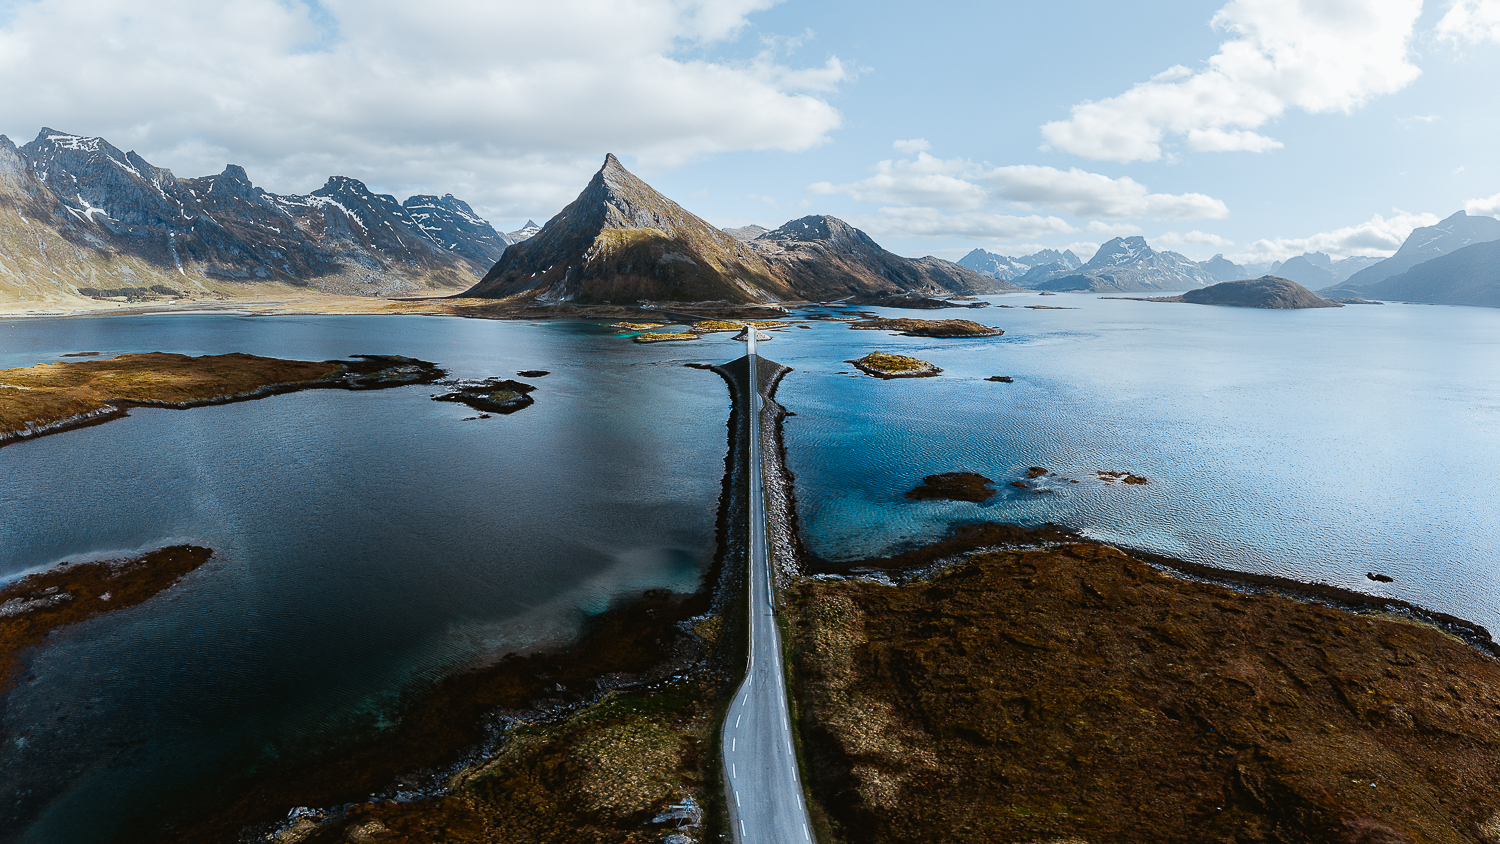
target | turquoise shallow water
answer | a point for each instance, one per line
(369, 542)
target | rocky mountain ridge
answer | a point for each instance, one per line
(77, 213)
(621, 242)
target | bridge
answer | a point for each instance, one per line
(762, 782)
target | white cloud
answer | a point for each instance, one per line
(958, 184)
(1316, 55)
(509, 104)
(1380, 236)
(1083, 249)
(1489, 206)
(931, 222)
(924, 180)
(1084, 194)
(1471, 21)
(1195, 238)
(1112, 229)
(913, 146)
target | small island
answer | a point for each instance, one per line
(887, 365)
(34, 606)
(664, 336)
(492, 395)
(1268, 292)
(711, 325)
(954, 486)
(952, 328)
(52, 397)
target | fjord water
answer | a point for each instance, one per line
(365, 543)
(371, 542)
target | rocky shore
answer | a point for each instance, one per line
(38, 604)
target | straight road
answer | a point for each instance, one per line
(766, 805)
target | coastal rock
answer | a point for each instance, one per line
(496, 395)
(954, 328)
(1122, 478)
(954, 486)
(1003, 379)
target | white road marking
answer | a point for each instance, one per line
(737, 720)
(733, 742)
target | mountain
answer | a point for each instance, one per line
(1424, 244)
(1353, 264)
(76, 213)
(1304, 271)
(1264, 292)
(1128, 264)
(621, 242)
(1220, 268)
(826, 258)
(452, 224)
(526, 231)
(750, 232)
(1467, 276)
(1007, 268)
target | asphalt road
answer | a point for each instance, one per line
(766, 805)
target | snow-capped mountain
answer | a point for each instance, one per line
(527, 231)
(1008, 268)
(1128, 264)
(99, 204)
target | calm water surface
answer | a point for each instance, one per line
(369, 542)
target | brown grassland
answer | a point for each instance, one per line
(1074, 693)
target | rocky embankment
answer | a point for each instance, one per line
(52, 397)
(1073, 692)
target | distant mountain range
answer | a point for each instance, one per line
(79, 217)
(623, 242)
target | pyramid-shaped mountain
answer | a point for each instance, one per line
(621, 242)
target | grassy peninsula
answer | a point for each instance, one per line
(50, 397)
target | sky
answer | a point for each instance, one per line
(1259, 129)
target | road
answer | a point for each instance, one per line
(766, 805)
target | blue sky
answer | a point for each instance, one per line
(1256, 128)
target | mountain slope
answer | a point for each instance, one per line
(1467, 276)
(1424, 244)
(621, 241)
(826, 258)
